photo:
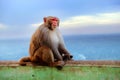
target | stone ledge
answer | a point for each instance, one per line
(71, 63)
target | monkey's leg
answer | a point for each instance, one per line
(42, 57)
(48, 57)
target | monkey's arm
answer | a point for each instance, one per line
(64, 52)
(57, 54)
(55, 51)
(62, 49)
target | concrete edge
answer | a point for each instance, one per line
(100, 63)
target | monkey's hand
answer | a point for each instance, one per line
(67, 57)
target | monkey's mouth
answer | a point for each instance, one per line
(54, 26)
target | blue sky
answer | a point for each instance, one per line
(20, 18)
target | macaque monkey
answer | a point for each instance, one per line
(47, 46)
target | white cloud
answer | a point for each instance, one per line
(36, 25)
(87, 20)
(88, 24)
(2, 26)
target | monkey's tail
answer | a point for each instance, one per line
(23, 61)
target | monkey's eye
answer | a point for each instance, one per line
(54, 19)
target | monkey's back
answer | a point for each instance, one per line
(36, 41)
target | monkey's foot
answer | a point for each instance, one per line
(59, 67)
(60, 64)
(22, 64)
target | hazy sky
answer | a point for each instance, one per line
(20, 18)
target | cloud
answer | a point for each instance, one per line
(34, 26)
(15, 31)
(87, 20)
(89, 24)
(2, 26)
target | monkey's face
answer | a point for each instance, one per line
(52, 22)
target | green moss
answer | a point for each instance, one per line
(67, 73)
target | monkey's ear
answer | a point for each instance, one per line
(44, 19)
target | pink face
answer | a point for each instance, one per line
(54, 22)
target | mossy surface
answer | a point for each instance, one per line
(67, 73)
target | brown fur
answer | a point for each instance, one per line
(44, 49)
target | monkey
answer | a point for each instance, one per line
(47, 46)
